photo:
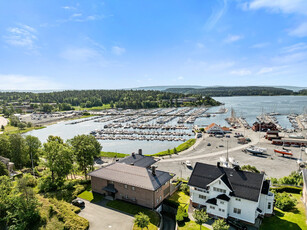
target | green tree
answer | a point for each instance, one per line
(175, 151)
(58, 157)
(220, 224)
(185, 188)
(5, 146)
(284, 201)
(141, 220)
(200, 217)
(85, 148)
(181, 214)
(3, 169)
(250, 168)
(33, 146)
(17, 151)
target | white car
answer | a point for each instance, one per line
(188, 163)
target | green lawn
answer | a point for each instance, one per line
(191, 225)
(179, 148)
(294, 219)
(12, 129)
(180, 198)
(135, 209)
(113, 154)
(105, 106)
(90, 196)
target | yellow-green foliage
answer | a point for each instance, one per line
(68, 214)
(179, 148)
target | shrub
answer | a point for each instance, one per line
(185, 188)
(250, 168)
(30, 180)
(284, 201)
(288, 189)
(181, 214)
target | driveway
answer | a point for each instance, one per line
(101, 217)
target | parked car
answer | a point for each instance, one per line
(227, 136)
(209, 144)
(78, 203)
(199, 135)
(188, 163)
(221, 145)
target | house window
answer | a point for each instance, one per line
(221, 202)
(202, 197)
(238, 199)
(237, 210)
(212, 207)
(269, 205)
(126, 186)
(219, 190)
(126, 196)
(160, 198)
(157, 201)
(133, 188)
(219, 182)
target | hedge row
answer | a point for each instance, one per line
(289, 189)
(68, 214)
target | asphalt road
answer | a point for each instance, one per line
(103, 218)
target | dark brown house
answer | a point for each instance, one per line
(142, 185)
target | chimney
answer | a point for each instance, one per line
(132, 164)
(237, 167)
(140, 152)
(218, 164)
(153, 170)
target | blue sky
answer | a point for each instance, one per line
(95, 44)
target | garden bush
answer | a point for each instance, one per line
(284, 201)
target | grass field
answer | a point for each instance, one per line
(12, 129)
(180, 198)
(105, 106)
(113, 154)
(191, 225)
(90, 196)
(135, 209)
(179, 148)
(294, 219)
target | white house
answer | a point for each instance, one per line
(230, 192)
(216, 129)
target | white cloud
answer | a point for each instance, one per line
(118, 50)
(284, 6)
(80, 54)
(217, 14)
(260, 45)
(294, 48)
(300, 31)
(69, 8)
(241, 72)
(22, 82)
(180, 78)
(200, 45)
(22, 36)
(233, 38)
(265, 70)
(76, 15)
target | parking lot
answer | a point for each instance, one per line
(102, 217)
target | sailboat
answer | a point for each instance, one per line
(256, 150)
(284, 151)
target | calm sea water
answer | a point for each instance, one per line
(248, 107)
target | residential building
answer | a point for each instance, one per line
(230, 192)
(7, 163)
(216, 129)
(136, 182)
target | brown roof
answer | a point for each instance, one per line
(132, 175)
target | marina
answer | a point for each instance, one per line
(153, 128)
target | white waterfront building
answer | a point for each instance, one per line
(230, 192)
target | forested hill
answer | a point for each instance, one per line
(233, 91)
(115, 98)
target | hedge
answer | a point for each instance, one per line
(288, 189)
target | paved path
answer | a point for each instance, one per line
(101, 217)
(3, 121)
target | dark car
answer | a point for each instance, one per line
(78, 203)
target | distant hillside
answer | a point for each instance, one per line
(161, 88)
(233, 91)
